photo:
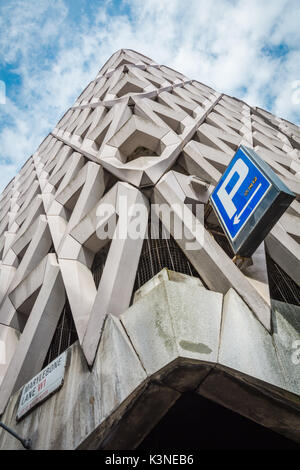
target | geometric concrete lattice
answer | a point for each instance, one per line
(148, 133)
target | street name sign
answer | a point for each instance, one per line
(44, 384)
(248, 201)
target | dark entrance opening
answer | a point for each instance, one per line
(197, 423)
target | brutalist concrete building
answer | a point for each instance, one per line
(123, 328)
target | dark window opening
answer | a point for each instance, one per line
(195, 422)
(65, 335)
(159, 253)
(99, 263)
(281, 285)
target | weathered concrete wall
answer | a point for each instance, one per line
(143, 131)
(177, 336)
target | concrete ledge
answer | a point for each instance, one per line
(174, 338)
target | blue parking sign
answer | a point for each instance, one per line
(242, 198)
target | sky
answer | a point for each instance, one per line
(50, 50)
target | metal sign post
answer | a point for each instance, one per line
(248, 201)
(26, 443)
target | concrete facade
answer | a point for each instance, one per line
(147, 133)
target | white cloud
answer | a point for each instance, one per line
(219, 43)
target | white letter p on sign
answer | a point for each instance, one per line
(226, 197)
